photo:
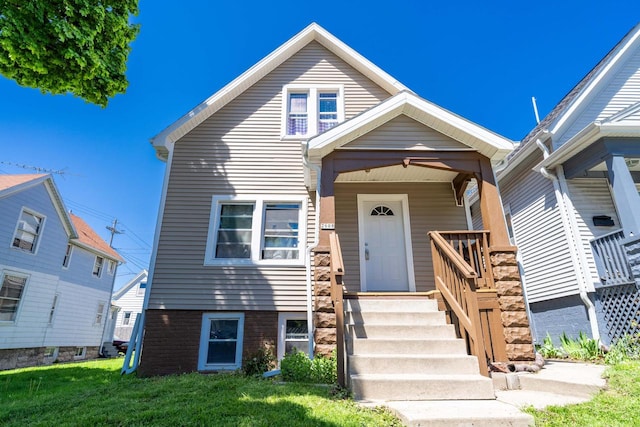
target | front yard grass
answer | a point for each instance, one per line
(617, 406)
(94, 393)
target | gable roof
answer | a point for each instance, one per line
(123, 290)
(313, 32)
(11, 184)
(577, 97)
(89, 239)
(431, 115)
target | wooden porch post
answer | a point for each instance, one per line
(491, 205)
(327, 203)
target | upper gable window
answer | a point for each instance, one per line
(28, 231)
(309, 110)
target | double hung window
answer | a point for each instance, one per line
(28, 231)
(311, 110)
(255, 230)
(97, 266)
(221, 341)
(11, 291)
(293, 334)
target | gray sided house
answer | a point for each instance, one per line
(311, 143)
(570, 193)
(56, 277)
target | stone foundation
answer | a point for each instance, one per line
(324, 314)
(15, 358)
(517, 332)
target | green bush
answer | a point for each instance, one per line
(297, 367)
(624, 349)
(582, 348)
(548, 350)
(259, 362)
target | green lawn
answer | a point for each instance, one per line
(93, 393)
(617, 406)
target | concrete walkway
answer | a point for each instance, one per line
(558, 383)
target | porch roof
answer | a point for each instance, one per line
(477, 138)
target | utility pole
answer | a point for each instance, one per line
(114, 230)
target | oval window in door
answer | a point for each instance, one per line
(381, 210)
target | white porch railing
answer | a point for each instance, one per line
(611, 259)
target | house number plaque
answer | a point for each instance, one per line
(327, 226)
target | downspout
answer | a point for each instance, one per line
(310, 246)
(568, 222)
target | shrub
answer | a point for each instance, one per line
(582, 348)
(548, 350)
(297, 367)
(259, 362)
(624, 349)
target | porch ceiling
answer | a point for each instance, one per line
(398, 174)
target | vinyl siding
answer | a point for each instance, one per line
(239, 151)
(403, 132)
(592, 197)
(129, 301)
(539, 233)
(431, 207)
(621, 91)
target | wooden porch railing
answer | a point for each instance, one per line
(337, 297)
(458, 282)
(611, 259)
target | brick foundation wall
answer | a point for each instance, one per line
(172, 339)
(324, 313)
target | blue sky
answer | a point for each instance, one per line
(481, 60)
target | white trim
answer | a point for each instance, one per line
(282, 329)
(22, 295)
(100, 270)
(259, 202)
(82, 355)
(204, 342)
(65, 265)
(34, 213)
(406, 223)
(467, 210)
(54, 309)
(100, 313)
(313, 91)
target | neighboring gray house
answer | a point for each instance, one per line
(56, 277)
(129, 300)
(570, 193)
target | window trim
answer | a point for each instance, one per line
(126, 321)
(98, 275)
(313, 102)
(36, 246)
(282, 329)
(54, 308)
(204, 342)
(99, 314)
(5, 273)
(259, 203)
(111, 267)
(67, 256)
(82, 355)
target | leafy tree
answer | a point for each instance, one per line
(61, 46)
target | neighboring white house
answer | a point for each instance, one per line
(570, 193)
(129, 300)
(56, 277)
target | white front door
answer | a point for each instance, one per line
(384, 254)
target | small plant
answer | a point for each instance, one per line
(297, 367)
(582, 348)
(624, 349)
(548, 350)
(259, 362)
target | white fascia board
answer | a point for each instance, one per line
(95, 251)
(591, 89)
(60, 208)
(123, 290)
(586, 137)
(219, 99)
(431, 115)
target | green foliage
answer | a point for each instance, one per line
(94, 393)
(625, 349)
(61, 46)
(548, 350)
(582, 348)
(259, 362)
(297, 367)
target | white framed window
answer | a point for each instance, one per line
(67, 256)
(52, 312)
(28, 231)
(141, 288)
(293, 333)
(111, 267)
(100, 313)
(126, 318)
(50, 354)
(256, 230)
(80, 353)
(97, 266)
(11, 292)
(309, 110)
(221, 341)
